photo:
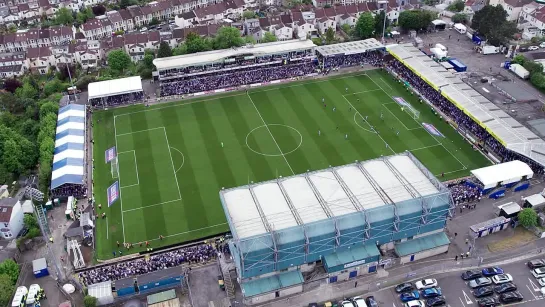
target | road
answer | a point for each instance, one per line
(458, 294)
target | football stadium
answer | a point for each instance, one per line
(331, 168)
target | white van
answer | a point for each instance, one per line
(359, 301)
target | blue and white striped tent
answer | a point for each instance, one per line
(69, 157)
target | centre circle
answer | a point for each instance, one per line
(277, 131)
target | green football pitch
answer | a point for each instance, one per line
(174, 158)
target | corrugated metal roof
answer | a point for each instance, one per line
(351, 255)
(271, 283)
(421, 244)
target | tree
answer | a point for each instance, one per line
(124, 3)
(459, 18)
(248, 14)
(148, 61)
(30, 221)
(248, 39)
(528, 217)
(268, 37)
(154, 21)
(67, 70)
(99, 10)
(228, 37)
(26, 91)
(533, 67)
(12, 154)
(329, 36)
(365, 26)
(164, 50)
(9, 268)
(195, 43)
(6, 290)
(346, 29)
(84, 15)
(181, 49)
(491, 22)
(456, 6)
(380, 18)
(64, 16)
(12, 84)
(89, 301)
(84, 81)
(416, 19)
(118, 60)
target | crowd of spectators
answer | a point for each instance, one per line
(232, 79)
(463, 193)
(118, 100)
(373, 58)
(463, 121)
(76, 190)
(201, 253)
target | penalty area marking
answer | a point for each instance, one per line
(183, 159)
(279, 154)
(190, 231)
(357, 124)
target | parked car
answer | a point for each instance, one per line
(532, 48)
(539, 272)
(371, 302)
(415, 304)
(431, 292)
(479, 282)
(506, 287)
(536, 263)
(404, 287)
(347, 304)
(492, 271)
(426, 283)
(523, 49)
(541, 281)
(409, 296)
(472, 274)
(436, 301)
(511, 297)
(483, 291)
(488, 302)
(358, 301)
(502, 278)
(542, 45)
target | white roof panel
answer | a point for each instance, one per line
(243, 212)
(70, 139)
(114, 87)
(304, 200)
(69, 169)
(360, 186)
(332, 193)
(71, 125)
(76, 113)
(413, 175)
(493, 174)
(387, 180)
(274, 206)
(68, 154)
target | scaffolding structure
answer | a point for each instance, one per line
(380, 201)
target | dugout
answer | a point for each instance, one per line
(489, 227)
(508, 210)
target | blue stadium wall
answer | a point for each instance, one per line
(296, 246)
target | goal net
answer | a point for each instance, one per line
(115, 168)
(407, 107)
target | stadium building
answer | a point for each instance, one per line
(68, 171)
(342, 217)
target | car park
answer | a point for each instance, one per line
(539, 272)
(502, 278)
(483, 291)
(536, 263)
(371, 302)
(431, 292)
(511, 297)
(404, 287)
(488, 302)
(472, 274)
(415, 304)
(426, 283)
(506, 287)
(491, 271)
(479, 282)
(436, 301)
(409, 296)
(358, 301)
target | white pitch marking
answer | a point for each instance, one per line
(172, 161)
(426, 147)
(272, 136)
(107, 232)
(119, 177)
(183, 159)
(144, 207)
(355, 93)
(128, 133)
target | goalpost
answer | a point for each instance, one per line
(415, 113)
(115, 168)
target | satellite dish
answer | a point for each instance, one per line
(69, 288)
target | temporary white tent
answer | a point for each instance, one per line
(503, 173)
(114, 87)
